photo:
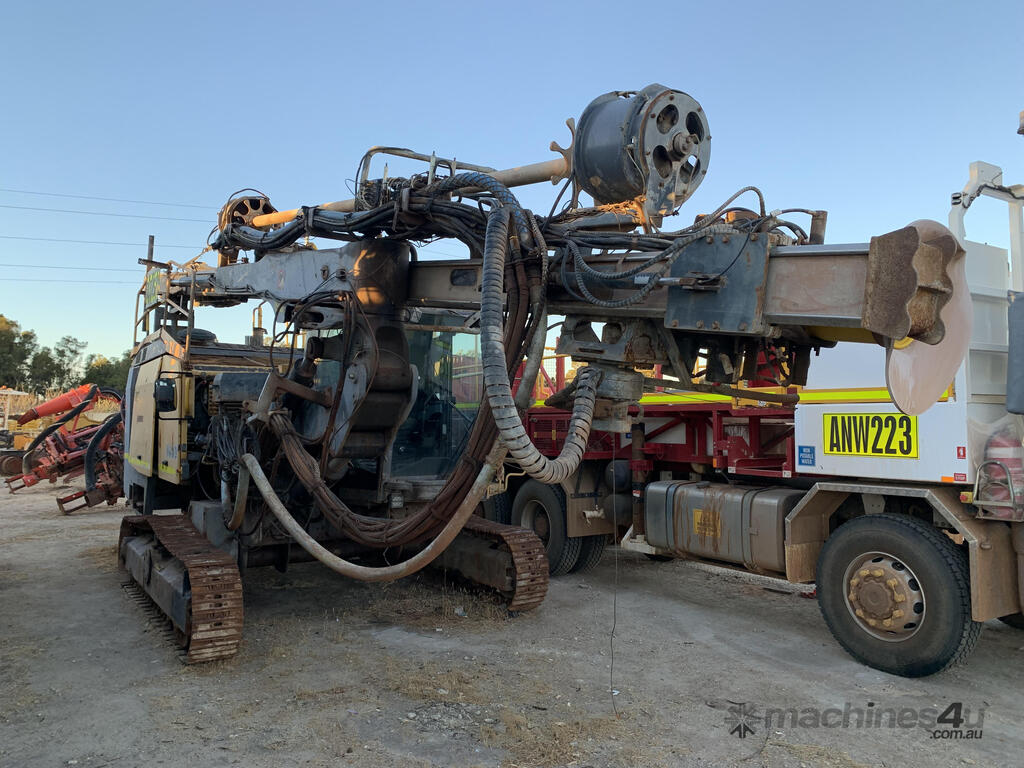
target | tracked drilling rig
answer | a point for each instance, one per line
(382, 404)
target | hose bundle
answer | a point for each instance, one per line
(512, 322)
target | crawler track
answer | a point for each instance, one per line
(213, 588)
(529, 577)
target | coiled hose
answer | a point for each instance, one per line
(496, 381)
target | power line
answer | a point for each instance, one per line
(98, 242)
(48, 280)
(53, 266)
(108, 199)
(102, 213)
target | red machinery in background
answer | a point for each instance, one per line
(68, 449)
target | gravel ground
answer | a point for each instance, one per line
(334, 672)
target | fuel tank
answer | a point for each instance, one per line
(739, 524)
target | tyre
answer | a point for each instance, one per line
(591, 549)
(1015, 620)
(541, 508)
(895, 593)
(499, 508)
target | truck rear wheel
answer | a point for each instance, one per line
(591, 549)
(499, 508)
(896, 593)
(541, 508)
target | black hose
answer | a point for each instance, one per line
(93, 448)
(496, 380)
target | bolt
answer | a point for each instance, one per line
(865, 572)
(897, 614)
(753, 237)
(681, 144)
(709, 239)
(899, 597)
(854, 581)
(878, 572)
(853, 597)
(715, 325)
(700, 323)
(872, 623)
(675, 323)
(892, 582)
(886, 622)
(859, 612)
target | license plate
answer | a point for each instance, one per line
(880, 435)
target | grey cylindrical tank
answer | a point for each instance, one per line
(734, 523)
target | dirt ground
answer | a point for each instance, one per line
(334, 672)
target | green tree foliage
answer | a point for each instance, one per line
(26, 365)
(57, 368)
(17, 348)
(107, 373)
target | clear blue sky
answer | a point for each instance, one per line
(871, 110)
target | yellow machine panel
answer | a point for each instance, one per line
(140, 432)
(172, 432)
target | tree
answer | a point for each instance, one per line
(16, 350)
(107, 373)
(43, 371)
(26, 365)
(58, 368)
(68, 353)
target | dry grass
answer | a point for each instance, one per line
(525, 716)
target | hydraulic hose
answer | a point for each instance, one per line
(496, 381)
(93, 449)
(415, 563)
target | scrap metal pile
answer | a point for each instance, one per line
(73, 447)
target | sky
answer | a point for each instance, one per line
(870, 110)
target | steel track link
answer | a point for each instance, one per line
(529, 560)
(214, 626)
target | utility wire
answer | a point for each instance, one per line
(98, 242)
(48, 280)
(57, 266)
(108, 199)
(102, 213)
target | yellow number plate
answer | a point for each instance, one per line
(882, 435)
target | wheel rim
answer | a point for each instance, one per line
(535, 517)
(884, 597)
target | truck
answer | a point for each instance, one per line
(909, 526)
